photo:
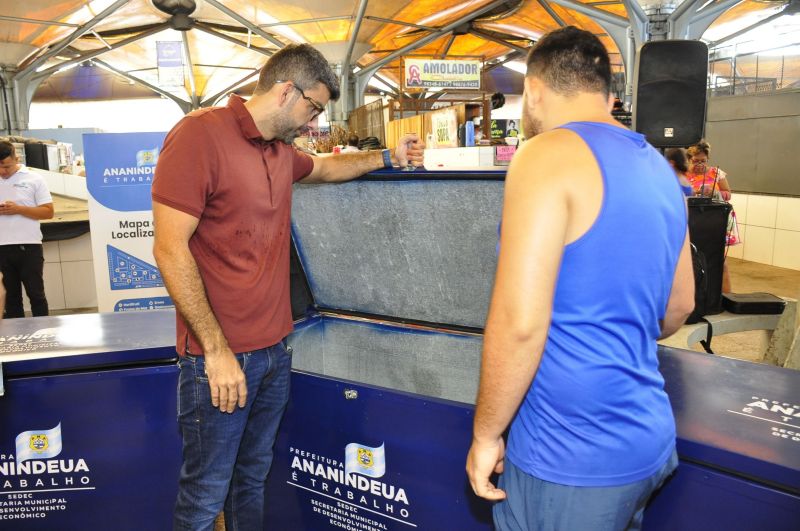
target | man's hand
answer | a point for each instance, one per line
(410, 149)
(226, 381)
(9, 208)
(483, 459)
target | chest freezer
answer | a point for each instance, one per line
(397, 270)
(88, 429)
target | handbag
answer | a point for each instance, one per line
(732, 236)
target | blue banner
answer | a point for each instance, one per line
(169, 57)
(120, 168)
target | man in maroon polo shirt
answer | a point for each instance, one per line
(221, 205)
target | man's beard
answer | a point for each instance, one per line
(530, 125)
(285, 130)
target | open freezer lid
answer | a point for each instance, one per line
(418, 246)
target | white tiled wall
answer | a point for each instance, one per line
(69, 274)
(788, 214)
(769, 226)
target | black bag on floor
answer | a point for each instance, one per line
(700, 286)
(753, 303)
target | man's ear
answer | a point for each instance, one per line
(533, 89)
(285, 94)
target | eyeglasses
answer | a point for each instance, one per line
(318, 107)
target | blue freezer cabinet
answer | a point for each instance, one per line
(397, 271)
(88, 430)
(739, 445)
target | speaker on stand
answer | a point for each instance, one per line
(669, 93)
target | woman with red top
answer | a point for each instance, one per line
(702, 176)
(707, 181)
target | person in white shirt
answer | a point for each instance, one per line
(24, 201)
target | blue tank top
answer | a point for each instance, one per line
(596, 414)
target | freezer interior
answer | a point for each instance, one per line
(436, 364)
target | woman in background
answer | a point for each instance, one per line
(679, 161)
(706, 180)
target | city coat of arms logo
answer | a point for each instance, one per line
(38, 442)
(365, 457)
(366, 460)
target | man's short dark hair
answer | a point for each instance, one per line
(6, 149)
(571, 60)
(303, 65)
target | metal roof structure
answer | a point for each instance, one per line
(54, 50)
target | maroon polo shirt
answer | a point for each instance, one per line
(216, 167)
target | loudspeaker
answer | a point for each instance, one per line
(669, 93)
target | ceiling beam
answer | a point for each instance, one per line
(192, 84)
(748, 28)
(699, 22)
(184, 105)
(714, 10)
(101, 39)
(244, 22)
(345, 93)
(593, 12)
(362, 8)
(37, 21)
(395, 92)
(94, 53)
(513, 56)
(550, 11)
(218, 34)
(213, 99)
(448, 45)
(635, 13)
(489, 37)
(373, 67)
(75, 35)
(400, 23)
(305, 21)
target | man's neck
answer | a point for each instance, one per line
(584, 107)
(258, 107)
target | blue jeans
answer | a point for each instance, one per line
(227, 456)
(533, 504)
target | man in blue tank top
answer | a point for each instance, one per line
(594, 267)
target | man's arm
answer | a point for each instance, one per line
(10, 208)
(348, 166)
(184, 284)
(681, 296)
(534, 228)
